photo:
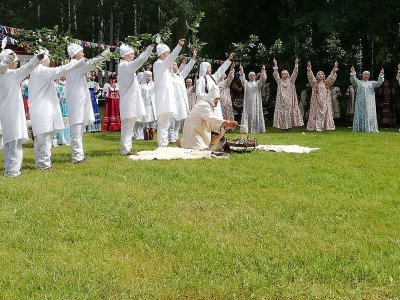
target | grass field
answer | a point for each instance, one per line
(324, 225)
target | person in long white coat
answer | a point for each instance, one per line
(5, 59)
(149, 100)
(12, 113)
(44, 107)
(164, 90)
(182, 102)
(78, 99)
(131, 105)
(201, 121)
(207, 80)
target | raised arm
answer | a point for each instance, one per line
(310, 75)
(353, 79)
(54, 73)
(275, 74)
(380, 80)
(22, 72)
(231, 75)
(136, 64)
(167, 63)
(332, 77)
(91, 63)
(295, 72)
(263, 78)
(188, 67)
(222, 69)
(242, 76)
(182, 65)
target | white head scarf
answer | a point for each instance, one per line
(162, 48)
(73, 49)
(203, 68)
(125, 50)
(6, 58)
(143, 80)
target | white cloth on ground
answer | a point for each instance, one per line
(286, 148)
(173, 153)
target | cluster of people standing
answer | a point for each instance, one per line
(161, 99)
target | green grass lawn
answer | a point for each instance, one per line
(324, 225)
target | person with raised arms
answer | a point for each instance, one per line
(44, 107)
(131, 104)
(164, 90)
(12, 112)
(78, 98)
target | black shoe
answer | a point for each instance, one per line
(79, 161)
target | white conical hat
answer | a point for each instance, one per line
(73, 49)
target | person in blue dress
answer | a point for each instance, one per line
(62, 137)
(365, 119)
(94, 90)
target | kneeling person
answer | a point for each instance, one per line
(201, 121)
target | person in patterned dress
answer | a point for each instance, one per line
(287, 112)
(320, 116)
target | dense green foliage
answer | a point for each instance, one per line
(255, 226)
(364, 33)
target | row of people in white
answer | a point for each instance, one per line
(46, 116)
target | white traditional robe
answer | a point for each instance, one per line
(44, 106)
(78, 97)
(198, 126)
(149, 101)
(164, 88)
(211, 82)
(130, 96)
(181, 97)
(12, 113)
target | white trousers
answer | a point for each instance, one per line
(163, 124)
(76, 142)
(138, 131)
(174, 127)
(12, 153)
(42, 148)
(126, 135)
(1, 141)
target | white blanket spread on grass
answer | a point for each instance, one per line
(285, 148)
(171, 153)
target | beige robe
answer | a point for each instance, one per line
(198, 125)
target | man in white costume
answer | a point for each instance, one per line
(131, 102)
(80, 108)
(12, 113)
(202, 120)
(44, 107)
(6, 58)
(182, 103)
(207, 80)
(164, 90)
